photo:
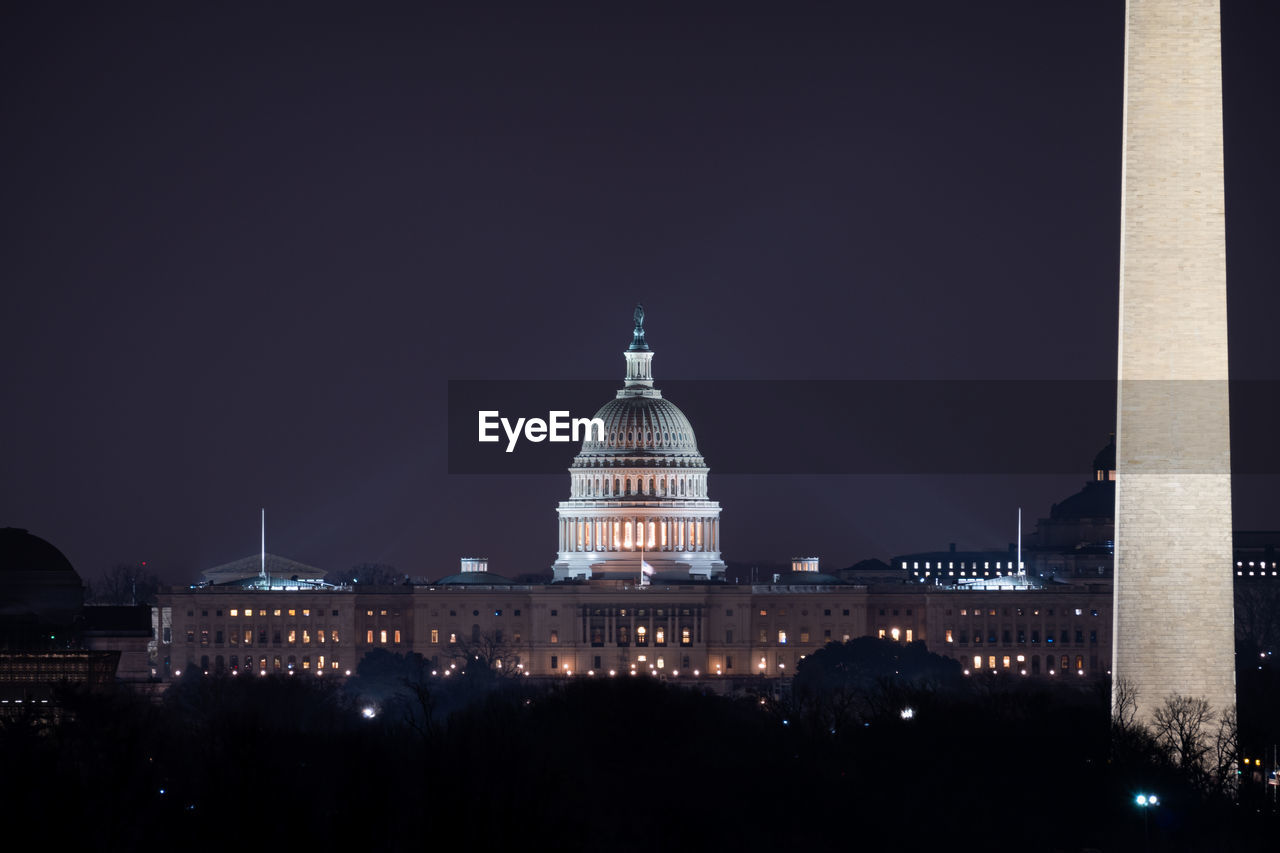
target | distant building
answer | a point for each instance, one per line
(638, 498)
(46, 640)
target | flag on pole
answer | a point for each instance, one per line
(645, 568)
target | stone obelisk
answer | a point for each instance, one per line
(1173, 579)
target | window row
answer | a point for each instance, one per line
(265, 636)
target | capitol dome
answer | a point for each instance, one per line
(638, 504)
(642, 425)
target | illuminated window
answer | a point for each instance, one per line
(782, 638)
(306, 661)
(1005, 661)
(368, 613)
(264, 613)
(950, 638)
(235, 612)
(334, 664)
(804, 636)
(382, 636)
(453, 638)
(248, 636)
(555, 636)
(320, 663)
(895, 633)
(306, 636)
(435, 635)
(977, 661)
(293, 612)
(293, 636)
(307, 613)
(276, 612)
(764, 612)
(277, 661)
(320, 636)
(397, 635)
(382, 613)
(660, 636)
(368, 636)
(642, 635)
(685, 638)
(334, 635)
(909, 634)
(880, 634)
(991, 661)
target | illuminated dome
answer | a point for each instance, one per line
(638, 489)
(636, 425)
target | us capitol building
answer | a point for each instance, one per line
(638, 587)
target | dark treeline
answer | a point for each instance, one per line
(870, 740)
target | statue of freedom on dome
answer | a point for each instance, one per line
(637, 337)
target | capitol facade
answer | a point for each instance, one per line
(638, 503)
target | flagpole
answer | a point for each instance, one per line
(263, 572)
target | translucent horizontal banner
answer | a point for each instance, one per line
(867, 426)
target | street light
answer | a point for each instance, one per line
(1146, 802)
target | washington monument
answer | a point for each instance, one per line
(1173, 582)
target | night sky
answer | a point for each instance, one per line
(246, 246)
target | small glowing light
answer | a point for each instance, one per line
(591, 672)
(1142, 799)
(177, 672)
(348, 672)
(368, 712)
(612, 673)
(675, 672)
(695, 673)
(907, 713)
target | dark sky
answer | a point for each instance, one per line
(245, 246)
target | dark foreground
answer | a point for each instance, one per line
(831, 763)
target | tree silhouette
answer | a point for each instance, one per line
(123, 583)
(368, 574)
